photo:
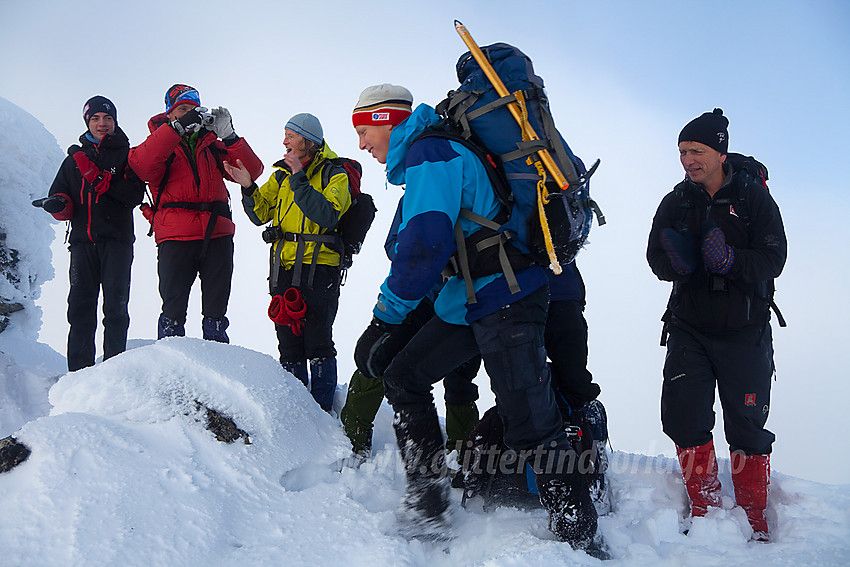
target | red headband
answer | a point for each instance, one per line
(380, 114)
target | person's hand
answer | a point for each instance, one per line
(378, 345)
(189, 122)
(223, 124)
(52, 205)
(716, 254)
(680, 249)
(239, 174)
(147, 212)
(293, 162)
(98, 179)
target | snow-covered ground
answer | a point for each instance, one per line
(124, 472)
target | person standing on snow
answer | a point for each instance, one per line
(182, 161)
(722, 260)
(304, 201)
(96, 190)
(441, 177)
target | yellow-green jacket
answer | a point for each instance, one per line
(300, 205)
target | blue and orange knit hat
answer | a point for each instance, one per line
(181, 94)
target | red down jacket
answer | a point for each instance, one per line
(198, 178)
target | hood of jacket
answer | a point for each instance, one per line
(402, 137)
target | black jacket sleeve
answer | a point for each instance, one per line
(657, 258)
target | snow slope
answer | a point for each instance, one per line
(123, 472)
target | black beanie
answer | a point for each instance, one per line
(709, 129)
(99, 104)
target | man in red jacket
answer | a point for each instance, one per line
(182, 162)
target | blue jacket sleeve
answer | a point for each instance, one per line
(425, 241)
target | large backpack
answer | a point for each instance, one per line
(348, 236)
(477, 116)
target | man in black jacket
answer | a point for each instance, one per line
(97, 191)
(718, 236)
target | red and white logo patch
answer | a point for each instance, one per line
(732, 211)
(749, 399)
(380, 116)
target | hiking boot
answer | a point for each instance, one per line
(596, 416)
(168, 327)
(323, 381)
(425, 507)
(572, 516)
(214, 329)
(699, 471)
(360, 408)
(751, 479)
(297, 369)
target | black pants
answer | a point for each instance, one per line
(322, 300)
(511, 345)
(179, 263)
(740, 365)
(94, 266)
(566, 346)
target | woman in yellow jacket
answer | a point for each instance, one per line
(303, 201)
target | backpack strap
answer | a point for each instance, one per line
(330, 239)
(162, 183)
(215, 208)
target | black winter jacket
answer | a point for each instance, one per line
(110, 216)
(750, 219)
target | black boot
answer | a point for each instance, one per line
(425, 508)
(572, 516)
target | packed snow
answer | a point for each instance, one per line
(124, 471)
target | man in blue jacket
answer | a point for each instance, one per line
(441, 177)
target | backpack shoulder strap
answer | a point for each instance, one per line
(162, 183)
(493, 168)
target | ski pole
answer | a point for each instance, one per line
(528, 134)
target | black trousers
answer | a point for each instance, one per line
(566, 346)
(94, 266)
(740, 365)
(322, 300)
(180, 262)
(511, 345)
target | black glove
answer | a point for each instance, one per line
(51, 204)
(378, 345)
(681, 250)
(189, 122)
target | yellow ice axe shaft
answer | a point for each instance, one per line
(502, 90)
(528, 134)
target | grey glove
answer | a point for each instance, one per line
(223, 124)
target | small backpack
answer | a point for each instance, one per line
(357, 220)
(477, 116)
